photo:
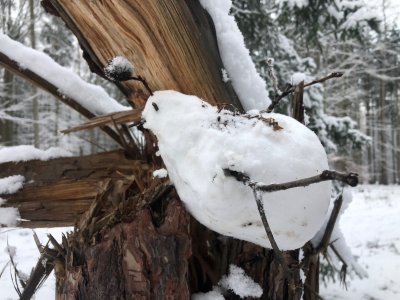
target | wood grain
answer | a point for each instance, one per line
(59, 191)
(171, 44)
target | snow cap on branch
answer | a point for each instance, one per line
(197, 142)
(119, 69)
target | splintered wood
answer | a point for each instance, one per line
(59, 191)
(188, 60)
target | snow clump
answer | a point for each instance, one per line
(197, 142)
(9, 216)
(119, 69)
(160, 173)
(237, 281)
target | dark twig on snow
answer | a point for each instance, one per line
(278, 253)
(289, 89)
(324, 243)
(348, 178)
(343, 270)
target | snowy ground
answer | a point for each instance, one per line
(371, 227)
(370, 224)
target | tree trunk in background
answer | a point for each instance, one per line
(7, 127)
(35, 104)
(382, 138)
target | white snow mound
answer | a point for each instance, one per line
(197, 142)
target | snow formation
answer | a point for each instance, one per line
(90, 96)
(248, 84)
(119, 68)
(197, 142)
(9, 216)
(241, 284)
(11, 184)
(29, 152)
(237, 281)
(160, 173)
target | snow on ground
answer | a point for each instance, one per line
(370, 226)
(26, 258)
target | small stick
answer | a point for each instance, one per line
(323, 245)
(274, 245)
(350, 179)
(323, 79)
(143, 81)
(290, 89)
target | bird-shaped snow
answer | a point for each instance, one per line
(197, 142)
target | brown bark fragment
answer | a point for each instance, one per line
(135, 260)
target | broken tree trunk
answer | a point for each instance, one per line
(133, 239)
(170, 43)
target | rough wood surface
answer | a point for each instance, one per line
(171, 44)
(57, 192)
(135, 260)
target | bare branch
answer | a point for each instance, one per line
(350, 179)
(323, 79)
(324, 243)
(274, 245)
(290, 89)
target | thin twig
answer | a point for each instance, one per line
(348, 178)
(343, 270)
(324, 243)
(144, 82)
(323, 79)
(290, 89)
(274, 245)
